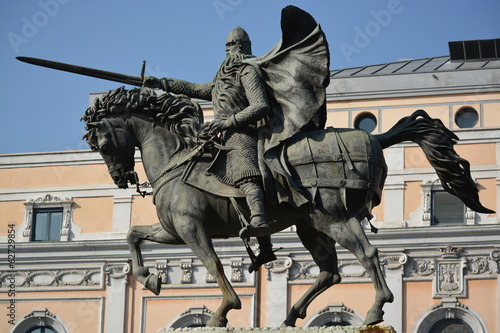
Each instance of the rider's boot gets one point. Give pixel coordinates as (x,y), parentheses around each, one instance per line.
(266,254)
(255,199)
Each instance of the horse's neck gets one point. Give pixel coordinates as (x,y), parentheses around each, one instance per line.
(157,146)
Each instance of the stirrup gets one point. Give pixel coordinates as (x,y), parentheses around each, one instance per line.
(263,258)
(255,231)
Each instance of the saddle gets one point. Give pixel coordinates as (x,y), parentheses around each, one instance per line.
(329,158)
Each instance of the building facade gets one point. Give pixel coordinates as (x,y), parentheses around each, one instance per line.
(66,264)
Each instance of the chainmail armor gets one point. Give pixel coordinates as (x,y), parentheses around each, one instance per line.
(194,90)
(237,91)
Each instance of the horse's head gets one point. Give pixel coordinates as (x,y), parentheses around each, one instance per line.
(112,138)
(110,132)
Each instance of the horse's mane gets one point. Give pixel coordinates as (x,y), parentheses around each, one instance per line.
(177,113)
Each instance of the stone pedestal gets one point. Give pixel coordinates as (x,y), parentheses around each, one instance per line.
(331,329)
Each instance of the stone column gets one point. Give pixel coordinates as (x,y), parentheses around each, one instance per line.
(277,296)
(121,213)
(394,204)
(394,271)
(116,278)
(495,256)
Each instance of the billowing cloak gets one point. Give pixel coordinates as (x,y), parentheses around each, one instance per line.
(296,73)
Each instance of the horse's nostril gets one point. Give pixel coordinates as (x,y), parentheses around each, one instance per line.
(116,179)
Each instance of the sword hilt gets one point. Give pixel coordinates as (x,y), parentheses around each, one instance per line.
(143,69)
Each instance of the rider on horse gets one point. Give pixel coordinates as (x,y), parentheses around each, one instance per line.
(258,103)
(239,100)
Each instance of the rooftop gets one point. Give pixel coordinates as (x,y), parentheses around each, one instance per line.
(409,66)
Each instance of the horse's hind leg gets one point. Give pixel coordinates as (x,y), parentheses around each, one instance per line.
(353,238)
(135,236)
(322,249)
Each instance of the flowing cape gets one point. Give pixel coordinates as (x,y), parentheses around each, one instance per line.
(296,73)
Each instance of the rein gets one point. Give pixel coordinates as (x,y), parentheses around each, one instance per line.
(197,151)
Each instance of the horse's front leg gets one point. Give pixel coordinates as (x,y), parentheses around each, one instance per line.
(135,236)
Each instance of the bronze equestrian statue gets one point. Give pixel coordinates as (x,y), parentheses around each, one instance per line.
(267,148)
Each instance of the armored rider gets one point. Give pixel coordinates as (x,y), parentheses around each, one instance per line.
(239,100)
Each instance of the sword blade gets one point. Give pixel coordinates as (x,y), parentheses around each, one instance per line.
(92,72)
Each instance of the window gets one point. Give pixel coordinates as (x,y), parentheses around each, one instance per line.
(335,314)
(366,122)
(41,330)
(451,326)
(466,117)
(47,224)
(446,209)
(196,316)
(48,218)
(40,321)
(450,316)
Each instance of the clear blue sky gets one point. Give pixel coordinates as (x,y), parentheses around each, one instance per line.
(41,108)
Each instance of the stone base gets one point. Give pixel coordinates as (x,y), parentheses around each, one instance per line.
(330,329)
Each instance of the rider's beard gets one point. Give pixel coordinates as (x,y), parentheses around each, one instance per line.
(232,61)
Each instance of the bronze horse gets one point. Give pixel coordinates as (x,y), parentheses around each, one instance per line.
(165,128)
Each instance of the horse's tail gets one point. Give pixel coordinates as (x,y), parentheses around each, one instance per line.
(437,143)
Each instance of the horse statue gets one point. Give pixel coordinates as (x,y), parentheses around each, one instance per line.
(346,184)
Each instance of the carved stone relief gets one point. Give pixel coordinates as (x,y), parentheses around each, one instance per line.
(117,272)
(280,266)
(187,271)
(81,278)
(236,270)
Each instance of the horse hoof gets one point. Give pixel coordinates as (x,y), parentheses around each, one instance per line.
(374,317)
(153,283)
(285,325)
(217,321)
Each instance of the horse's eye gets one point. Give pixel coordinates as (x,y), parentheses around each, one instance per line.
(104,148)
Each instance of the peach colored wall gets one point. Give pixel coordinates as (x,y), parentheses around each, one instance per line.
(11,212)
(161,311)
(263,307)
(479,299)
(420,102)
(488,193)
(412,198)
(418,296)
(357,296)
(395,108)
(339,119)
(139,168)
(55,176)
(379,210)
(491,114)
(93,214)
(143,211)
(79,315)
(476,154)
(418,299)
(392,116)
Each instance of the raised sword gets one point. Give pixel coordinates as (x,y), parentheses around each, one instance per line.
(98,73)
